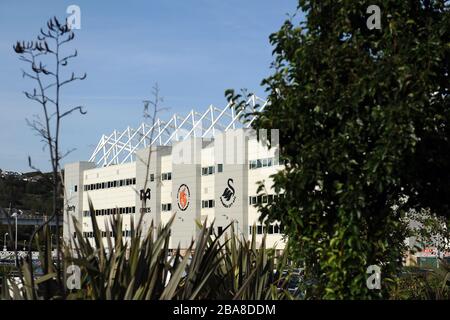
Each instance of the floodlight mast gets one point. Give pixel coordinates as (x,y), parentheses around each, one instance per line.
(120,147)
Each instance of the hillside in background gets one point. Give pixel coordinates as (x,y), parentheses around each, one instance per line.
(26,191)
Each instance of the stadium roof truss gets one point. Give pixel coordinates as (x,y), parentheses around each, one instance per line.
(120,147)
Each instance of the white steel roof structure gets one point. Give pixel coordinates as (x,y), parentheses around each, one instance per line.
(120,147)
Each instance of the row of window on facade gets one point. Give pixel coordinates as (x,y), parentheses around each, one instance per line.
(276,228)
(106,212)
(205,204)
(253,200)
(164,176)
(206,171)
(263,199)
(104,234)
(262,163)
(110,184)
(253,164)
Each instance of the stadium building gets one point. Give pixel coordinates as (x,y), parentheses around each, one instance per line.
(200,167)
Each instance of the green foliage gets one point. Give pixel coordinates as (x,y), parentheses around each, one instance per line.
(364,122)
(415,284)
(142,267)
(429,230)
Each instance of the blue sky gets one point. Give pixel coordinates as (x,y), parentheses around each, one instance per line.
(194,49)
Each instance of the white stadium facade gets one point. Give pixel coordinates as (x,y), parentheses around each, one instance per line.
(199,167)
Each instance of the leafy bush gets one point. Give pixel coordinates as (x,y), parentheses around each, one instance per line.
(143,267)
(419,284)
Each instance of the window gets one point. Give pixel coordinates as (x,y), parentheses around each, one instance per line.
(264,162)
(75,188)
(219,230)
(258,163)
(207,170)
(276,228)
(166,207)
(259,229)
(152,177)
(166,176)
(207,203)
(220,167)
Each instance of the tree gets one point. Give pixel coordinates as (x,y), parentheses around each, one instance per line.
(364,122)
(39,54)
(428,230)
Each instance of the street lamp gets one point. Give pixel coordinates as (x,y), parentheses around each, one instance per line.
(4,241)
(15,245)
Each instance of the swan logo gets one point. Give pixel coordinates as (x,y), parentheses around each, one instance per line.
(183,196)
(228,196)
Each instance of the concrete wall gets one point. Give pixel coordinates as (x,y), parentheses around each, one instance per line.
(73,204)
(186,191)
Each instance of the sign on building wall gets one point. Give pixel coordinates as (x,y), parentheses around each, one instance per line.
(183,197)
(229,194)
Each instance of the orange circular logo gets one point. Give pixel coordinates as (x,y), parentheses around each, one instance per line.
(183,197)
